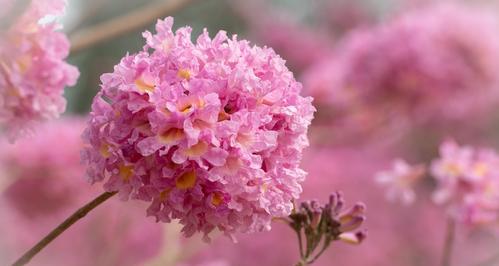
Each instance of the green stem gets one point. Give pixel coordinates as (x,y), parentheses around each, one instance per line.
(82,212)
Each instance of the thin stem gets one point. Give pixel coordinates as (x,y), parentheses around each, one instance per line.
(448,243)
(301,263)
(120,25)
(62,227)
(324,247)
(298,233)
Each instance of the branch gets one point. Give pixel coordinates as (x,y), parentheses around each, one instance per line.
(121,25)
(63,227)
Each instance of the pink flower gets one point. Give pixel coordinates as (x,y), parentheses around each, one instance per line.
(400,181)
(44,185)
(52,154)
(413,70)
(468,183)
(212,132)
(33,72)
(452,170)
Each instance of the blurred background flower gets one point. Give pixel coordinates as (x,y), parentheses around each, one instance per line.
(44,183)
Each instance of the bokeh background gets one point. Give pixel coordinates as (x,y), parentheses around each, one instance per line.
(408,98)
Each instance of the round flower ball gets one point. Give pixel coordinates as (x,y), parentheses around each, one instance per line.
(210,132)
(430,65)
(33,70)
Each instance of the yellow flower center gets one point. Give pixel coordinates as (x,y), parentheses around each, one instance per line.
(144,86)
(222,116)
(480,169)
(186,180)
(104,150)
(172,135)
(186,105)
(184,74)
(126,171)
(197,150)
(24,63)
(216,199)
(453,169)
(185,108)
(265,187)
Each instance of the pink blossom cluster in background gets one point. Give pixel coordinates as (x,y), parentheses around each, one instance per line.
(33,72)
(211,132)
(412,70)
(400,181)
(46,184)
(468,183)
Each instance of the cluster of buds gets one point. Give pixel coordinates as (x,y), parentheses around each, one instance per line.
(325,224)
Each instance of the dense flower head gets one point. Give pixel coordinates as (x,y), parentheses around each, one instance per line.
(400,181)
(415,67)
(211,132)
(33,72)
(468,183)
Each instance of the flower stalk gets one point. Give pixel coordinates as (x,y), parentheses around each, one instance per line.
(79,214)
(448,243)
(318,226)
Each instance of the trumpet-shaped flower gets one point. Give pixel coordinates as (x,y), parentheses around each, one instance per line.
(400,181)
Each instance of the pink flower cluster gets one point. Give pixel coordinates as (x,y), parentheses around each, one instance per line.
(400,181)
(33,72)
(468,183)
(43,183)
(431,64)
(211,132)
(34,163)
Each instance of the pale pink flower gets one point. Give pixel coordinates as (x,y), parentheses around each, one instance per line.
(468,183)
(400,181)
(211,132)
(45,184)
(413,69)
(451,171)
(481,207)
(51,154)
(33,72)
